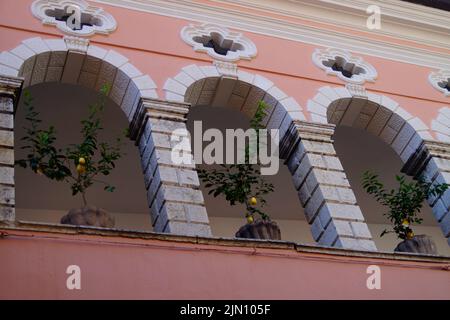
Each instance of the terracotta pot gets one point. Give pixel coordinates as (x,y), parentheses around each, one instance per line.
(417,244)
(89,216)
(260,229)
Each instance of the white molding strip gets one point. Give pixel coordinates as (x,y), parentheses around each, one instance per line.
(193,11)
(394,14)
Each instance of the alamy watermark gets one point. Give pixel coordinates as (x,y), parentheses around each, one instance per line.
(374,280)
(254,146)
(374,20)
(73,281)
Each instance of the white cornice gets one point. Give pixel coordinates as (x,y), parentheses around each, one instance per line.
(281,28)
(352,14)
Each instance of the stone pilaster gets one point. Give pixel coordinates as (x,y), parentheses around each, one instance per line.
(175,201)
(432,161)
(323,189)
(9,95)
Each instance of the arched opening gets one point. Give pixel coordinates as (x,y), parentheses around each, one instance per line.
(41,200)
(66,74)
(370,136)
(227,103)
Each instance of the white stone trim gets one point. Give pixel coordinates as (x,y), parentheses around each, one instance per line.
(368,72)
(246,52)
(441,125)
(107,22)
(437,77)
(33,57)
(431,19)
(76,44)
(226,68)
(390,122)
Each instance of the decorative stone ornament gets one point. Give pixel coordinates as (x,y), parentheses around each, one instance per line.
(74,17)
(76,44)
(440,80)
(344,65)
(218,42)
(226,68)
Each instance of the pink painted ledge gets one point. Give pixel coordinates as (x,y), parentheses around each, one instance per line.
(121,264)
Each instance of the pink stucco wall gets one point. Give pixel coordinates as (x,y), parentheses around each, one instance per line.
(33,265)
(153,44)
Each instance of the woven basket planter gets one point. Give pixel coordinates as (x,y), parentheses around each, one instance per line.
(260,229)
(417,244)
(89,216)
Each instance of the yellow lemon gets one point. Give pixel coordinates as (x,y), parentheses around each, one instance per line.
(410,235)
(250,219)
(253,201)
(81,169)
(405,222)
(82,160)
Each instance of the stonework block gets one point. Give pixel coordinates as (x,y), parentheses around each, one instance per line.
(343,228)
(439,209)
(329,236)
(7,156)
(36,44)
(314,204)
(175,87)
(301,173)
(165,126)
(304,193)
(173,211)
(7,195)
(7,213)
(361,230)
(277,117)
(7,175)
(403,138)
(10,60)
(182,194)
(319,147)
(356,244)
(317,229)
(295,158)
(23,52)
(445,225)
(442,164)
(6,121)
(339,211)
(335,178)
(6,138)
(6,104)
(188,229)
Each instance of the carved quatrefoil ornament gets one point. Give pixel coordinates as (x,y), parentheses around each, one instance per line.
(344,65)
(74,17)
(218,42)
(440,80)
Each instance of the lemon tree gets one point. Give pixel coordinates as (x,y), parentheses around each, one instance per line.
(78,164)
(242,183)
(404,203)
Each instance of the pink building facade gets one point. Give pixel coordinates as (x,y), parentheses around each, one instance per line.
(317,64)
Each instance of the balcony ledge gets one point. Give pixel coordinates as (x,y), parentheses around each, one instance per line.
(123,236)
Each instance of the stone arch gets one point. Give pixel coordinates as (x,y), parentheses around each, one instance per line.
(375,113)
(74,61)
(409,136)
(70,60)
(209,85)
